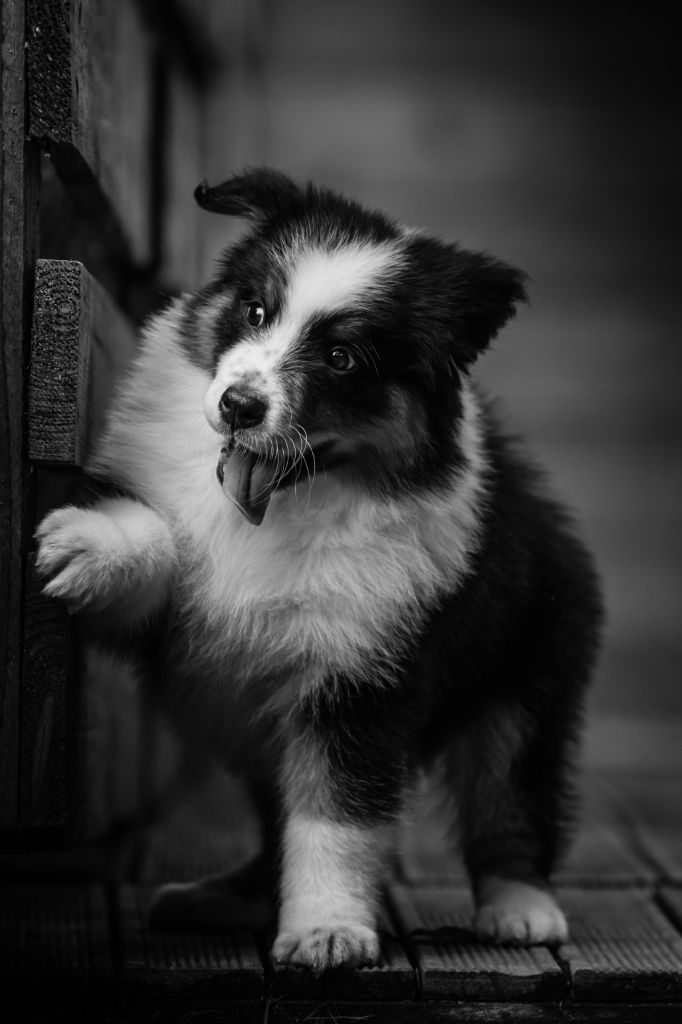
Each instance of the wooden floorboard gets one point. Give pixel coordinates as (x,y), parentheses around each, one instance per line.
(92,950)
(601,855)
(190,964)
(435,922)
(622,947)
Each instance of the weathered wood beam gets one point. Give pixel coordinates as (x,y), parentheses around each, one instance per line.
(91,68)
(19,171)
(71,778)
(80,341)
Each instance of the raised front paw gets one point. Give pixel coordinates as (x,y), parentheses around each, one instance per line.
(79,553)
(320,949)
(519,914)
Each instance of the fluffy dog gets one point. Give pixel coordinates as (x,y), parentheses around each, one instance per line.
(333,569)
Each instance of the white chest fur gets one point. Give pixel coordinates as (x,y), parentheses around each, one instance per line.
(330,579)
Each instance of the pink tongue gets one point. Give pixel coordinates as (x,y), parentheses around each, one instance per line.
(248,482)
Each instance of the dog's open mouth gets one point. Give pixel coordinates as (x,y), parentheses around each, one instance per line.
(248,480)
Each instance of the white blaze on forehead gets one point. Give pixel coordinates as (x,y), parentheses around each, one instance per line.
(325,280)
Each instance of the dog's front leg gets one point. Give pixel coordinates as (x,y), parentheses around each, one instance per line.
(345,773)
(118,555)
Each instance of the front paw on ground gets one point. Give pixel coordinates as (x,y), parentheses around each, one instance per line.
(320,949)
(521,927)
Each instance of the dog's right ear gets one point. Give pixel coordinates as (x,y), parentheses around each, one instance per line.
(261,194)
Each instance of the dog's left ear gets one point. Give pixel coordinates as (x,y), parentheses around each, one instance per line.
(484,293)
(260,195)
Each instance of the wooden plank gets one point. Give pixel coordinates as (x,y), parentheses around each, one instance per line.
(56,936)
(79,343)
(91,104)
(601,856)
(184,964)
(47,696)
(621,948)
(19,163)
(60,364)
(435,920)
(392,978)
(79,740)
(81,750)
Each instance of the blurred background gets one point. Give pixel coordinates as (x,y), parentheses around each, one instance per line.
(548,135)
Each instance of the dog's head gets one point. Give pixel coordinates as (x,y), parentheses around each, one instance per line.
(337,339)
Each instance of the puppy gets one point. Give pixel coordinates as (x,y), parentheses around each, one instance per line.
(333,569)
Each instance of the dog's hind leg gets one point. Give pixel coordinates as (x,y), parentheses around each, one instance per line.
(513,808)
(243,898)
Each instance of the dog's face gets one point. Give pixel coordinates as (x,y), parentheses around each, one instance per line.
(336,340)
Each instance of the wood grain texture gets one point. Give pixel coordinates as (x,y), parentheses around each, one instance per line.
(453,964)
(91,103)
(621,948)
(158,963)
(18,238)
(54,937)
(60,364)
(79,343)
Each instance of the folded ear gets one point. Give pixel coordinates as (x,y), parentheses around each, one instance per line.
(484,293)
(261,194)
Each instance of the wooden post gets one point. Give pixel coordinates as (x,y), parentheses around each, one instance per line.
(19,169)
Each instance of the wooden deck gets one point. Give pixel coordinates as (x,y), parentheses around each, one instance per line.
(79,948)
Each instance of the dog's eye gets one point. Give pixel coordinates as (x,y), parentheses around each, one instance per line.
(254,313)
(341,360)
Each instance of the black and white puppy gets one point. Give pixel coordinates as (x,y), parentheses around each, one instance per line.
(334,570)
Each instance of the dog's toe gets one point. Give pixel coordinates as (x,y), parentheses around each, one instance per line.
(519,914)
(320,949)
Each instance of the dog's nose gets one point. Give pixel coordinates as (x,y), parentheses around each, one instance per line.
(242,408)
